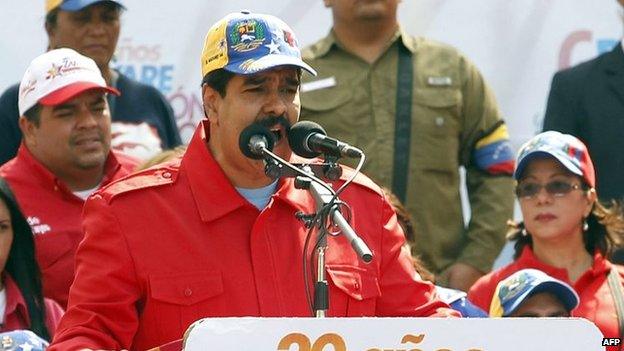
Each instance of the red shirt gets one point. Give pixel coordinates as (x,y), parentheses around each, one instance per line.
(181,244)
(596,301)
(16,312)
(54,214)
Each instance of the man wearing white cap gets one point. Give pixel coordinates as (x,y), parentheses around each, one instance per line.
(143,121)
(64,157)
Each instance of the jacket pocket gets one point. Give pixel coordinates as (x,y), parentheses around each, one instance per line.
(333,109)
(177,300)
(325,99)
(186,289)
(354,291)
(437,115)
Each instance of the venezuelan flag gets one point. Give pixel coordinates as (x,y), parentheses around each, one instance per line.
(493,153)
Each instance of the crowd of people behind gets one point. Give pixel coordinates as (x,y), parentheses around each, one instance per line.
(88,199)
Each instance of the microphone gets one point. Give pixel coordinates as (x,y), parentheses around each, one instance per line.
(254,139)
(308,139)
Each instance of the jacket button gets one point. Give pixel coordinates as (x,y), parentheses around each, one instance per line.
(439,121)
(357,285)
(188,292)
(166,175)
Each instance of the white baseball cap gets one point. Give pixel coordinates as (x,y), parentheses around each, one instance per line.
(58,76)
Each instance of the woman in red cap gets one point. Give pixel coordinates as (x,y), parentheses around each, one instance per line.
(566,232)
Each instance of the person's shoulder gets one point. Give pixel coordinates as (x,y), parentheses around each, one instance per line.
(318,48)
(587,68)
(427,46)
(10,92)
(9,97)
(157,176)
(361,181)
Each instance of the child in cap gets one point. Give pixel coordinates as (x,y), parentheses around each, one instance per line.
(533,293)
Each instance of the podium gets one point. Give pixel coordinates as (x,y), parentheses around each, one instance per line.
(393,334)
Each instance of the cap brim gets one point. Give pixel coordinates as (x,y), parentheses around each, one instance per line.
(568,297)
(70,91)
(267,62)
(541,154)
(77,5)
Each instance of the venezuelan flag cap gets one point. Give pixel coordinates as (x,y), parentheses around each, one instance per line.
(75,5)
(247,43)
(565,148)
(514,290)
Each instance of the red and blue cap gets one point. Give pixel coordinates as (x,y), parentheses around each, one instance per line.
(514,290)
(565,148)
(248,43)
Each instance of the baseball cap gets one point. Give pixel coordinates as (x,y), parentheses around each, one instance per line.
(58,76)
(565,148)
(247,43)
(75,5)
(514,290)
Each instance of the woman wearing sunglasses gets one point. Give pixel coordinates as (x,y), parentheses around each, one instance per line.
(566,232)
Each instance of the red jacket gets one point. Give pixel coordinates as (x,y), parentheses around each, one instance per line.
(596,301)
(180,244)
(54,214)
(16,312)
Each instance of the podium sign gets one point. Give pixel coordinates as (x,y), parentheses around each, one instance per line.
(393,334)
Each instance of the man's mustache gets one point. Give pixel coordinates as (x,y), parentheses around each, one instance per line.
(271,121)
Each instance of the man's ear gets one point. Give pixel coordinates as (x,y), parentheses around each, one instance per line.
(28,129)
(211,100)
(328,3)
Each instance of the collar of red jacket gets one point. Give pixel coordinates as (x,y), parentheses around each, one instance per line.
(600,266)
(212,191)
(49,179)
(14,300)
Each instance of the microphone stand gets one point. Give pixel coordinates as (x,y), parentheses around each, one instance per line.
(324,196)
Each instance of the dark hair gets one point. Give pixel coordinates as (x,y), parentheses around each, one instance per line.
(33,114)
(218,80)
(51,18)
(22,266)
(605,230)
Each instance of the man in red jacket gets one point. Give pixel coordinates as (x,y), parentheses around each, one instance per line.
(64,157)
(210,235)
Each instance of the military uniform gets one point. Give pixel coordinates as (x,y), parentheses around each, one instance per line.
(455,122)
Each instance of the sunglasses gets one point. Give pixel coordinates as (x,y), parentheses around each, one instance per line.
(555,188)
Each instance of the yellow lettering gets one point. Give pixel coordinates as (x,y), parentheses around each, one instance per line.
(329,339)
(294,339)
